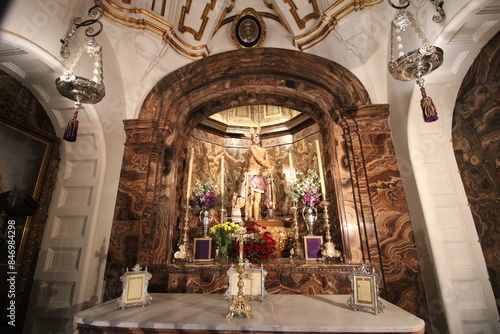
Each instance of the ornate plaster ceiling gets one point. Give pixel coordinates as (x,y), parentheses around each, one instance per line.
(255,116)
(188,26)
(269,118)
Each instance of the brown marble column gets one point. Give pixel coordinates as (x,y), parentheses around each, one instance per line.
(382,218)
(137,199)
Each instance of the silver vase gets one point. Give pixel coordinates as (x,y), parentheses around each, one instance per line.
(205,220)
(310,215)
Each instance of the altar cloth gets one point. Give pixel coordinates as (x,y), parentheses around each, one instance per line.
(279,313)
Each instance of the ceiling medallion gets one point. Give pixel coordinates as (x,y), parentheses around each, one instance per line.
(248,29)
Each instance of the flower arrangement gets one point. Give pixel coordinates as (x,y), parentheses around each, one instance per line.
(205,196)
(306,189)
(220,233)
(257,249)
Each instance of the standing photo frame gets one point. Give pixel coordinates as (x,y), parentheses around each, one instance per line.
(135,288)
(253,280)
(202,249)
(365,293)
(313,245)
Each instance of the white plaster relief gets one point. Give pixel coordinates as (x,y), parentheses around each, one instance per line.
(85,145)
(459,254)
(450,217)
(55,294)
(75,196)
(14,68)
(81,168)
(41,92)
(471,32)
(440,184)
(63,259)
(58,113)
(432,152)
(489,10)
(69,227)
(469,293)
(477,327)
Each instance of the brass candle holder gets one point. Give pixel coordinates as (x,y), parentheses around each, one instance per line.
(184,254)
(239,304)
(296,250)
(329,252)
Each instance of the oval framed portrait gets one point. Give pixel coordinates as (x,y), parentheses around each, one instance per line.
(248,29)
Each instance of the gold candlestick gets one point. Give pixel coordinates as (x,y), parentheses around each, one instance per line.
(329,250)
(183,253)
(239,305)
(296,250)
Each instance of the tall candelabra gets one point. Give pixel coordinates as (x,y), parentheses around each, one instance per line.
(184,253)
(296,250)
(239,304)
(329,251)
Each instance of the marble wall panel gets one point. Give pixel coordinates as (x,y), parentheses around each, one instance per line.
(476,142)
(383,202)
(282,278)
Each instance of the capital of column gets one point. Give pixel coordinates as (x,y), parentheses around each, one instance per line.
(369,118)
(140,131)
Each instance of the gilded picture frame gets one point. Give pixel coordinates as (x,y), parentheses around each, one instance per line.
(202,249)
(313,245)
(248,29)
(24,161)
(135,288)
(365,293)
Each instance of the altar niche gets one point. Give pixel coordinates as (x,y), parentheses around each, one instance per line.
(360,168)
(288,154)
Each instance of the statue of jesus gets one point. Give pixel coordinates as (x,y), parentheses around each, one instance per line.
(258,165)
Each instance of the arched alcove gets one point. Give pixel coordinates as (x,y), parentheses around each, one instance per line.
(360,166)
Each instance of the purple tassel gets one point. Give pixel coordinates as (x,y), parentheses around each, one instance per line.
(71,128)
(428,107)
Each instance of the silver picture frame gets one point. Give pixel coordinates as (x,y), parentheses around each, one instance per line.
(135,288)
(365,293)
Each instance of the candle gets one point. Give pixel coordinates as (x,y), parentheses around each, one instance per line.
(190,175)
(290,161)
(320,163)
(222,176)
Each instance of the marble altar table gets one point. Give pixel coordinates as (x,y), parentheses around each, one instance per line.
(196,313)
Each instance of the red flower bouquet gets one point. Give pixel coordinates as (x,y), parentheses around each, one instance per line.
(257,249)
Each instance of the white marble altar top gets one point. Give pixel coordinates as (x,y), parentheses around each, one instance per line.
(292,313)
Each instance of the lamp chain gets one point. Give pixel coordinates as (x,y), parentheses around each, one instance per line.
(67,74)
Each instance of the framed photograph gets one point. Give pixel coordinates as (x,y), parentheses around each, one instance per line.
(202,249)
(313,245)
(24,161)
(365,294)
(135,288)
(253,283)
(248,29)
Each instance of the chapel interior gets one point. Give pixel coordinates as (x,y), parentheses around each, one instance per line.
(415,200)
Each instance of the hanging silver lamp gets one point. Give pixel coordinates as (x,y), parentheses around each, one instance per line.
(415,64)
(78,88)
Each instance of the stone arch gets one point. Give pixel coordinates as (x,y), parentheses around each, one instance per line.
(361,168)
(304,82)
(253,76)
